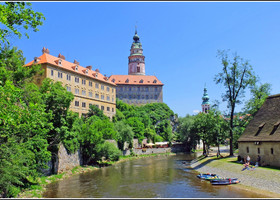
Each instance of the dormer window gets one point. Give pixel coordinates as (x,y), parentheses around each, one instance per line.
(86,71)
(276,125)
(127,80)
(36,60)
(155,81)
(76,68)
(141,81)
(113,80)
(59,62)
(260,128)
(96,75)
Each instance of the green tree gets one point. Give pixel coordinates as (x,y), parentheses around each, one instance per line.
(236,76)
(108,150)
(94,111)
(137,127)
(125,134)
(17,15)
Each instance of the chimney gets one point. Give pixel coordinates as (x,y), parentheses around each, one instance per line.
(76,62)
(44,50)
(97,70)
(89,67)
(61,56)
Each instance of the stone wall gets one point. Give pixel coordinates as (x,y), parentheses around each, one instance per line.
(66,161)
(267,158)
(147,151)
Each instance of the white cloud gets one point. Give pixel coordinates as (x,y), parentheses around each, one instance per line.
(196,111)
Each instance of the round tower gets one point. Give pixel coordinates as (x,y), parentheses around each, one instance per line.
(205,101)
(136,60)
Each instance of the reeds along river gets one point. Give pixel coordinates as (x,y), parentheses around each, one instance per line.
(151,177)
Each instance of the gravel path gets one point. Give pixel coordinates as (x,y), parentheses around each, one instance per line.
(259,178)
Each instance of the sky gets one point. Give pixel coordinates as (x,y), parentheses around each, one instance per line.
(180,41)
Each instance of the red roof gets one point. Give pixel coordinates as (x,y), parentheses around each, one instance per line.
(135,80)
(47,58)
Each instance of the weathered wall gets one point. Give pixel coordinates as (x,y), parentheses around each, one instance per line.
(66,161)
(147,151)
(267,158)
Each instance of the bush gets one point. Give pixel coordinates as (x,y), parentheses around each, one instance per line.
(109,151)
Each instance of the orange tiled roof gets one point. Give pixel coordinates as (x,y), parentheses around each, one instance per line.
(47,58)
(135,80)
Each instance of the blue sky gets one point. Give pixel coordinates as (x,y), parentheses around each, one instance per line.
(180,41)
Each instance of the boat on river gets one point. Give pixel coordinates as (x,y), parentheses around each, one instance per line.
(207,176)
(224,181)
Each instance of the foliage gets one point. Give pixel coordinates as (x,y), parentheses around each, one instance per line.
(236,76)
(17,15)
(137,127)
(108,150)
(94,111)
(125,134)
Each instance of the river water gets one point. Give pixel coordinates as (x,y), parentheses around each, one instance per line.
(151,177)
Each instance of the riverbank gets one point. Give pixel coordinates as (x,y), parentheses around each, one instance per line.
(37,191)
(261,180)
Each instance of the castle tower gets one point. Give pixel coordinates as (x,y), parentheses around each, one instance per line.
(205,101)
(136,60)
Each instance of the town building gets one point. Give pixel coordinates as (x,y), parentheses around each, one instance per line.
(137,87)
(205,101)
(262,135)
(89,86)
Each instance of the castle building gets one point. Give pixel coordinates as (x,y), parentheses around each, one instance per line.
(205,101)
(137,87)
(89,86)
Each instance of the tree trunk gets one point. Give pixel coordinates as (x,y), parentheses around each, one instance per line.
(231,133)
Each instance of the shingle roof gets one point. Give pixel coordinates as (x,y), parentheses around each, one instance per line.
(265,125)
(135,80)
(47,58)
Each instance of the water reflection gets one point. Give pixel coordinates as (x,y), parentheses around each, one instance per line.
(154,177)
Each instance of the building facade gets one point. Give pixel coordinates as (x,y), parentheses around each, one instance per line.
(89,86)
(262,135)
(137,87)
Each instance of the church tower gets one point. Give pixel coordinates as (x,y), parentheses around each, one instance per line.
(205,101)
(136,60)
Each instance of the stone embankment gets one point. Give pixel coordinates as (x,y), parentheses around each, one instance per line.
(259,180)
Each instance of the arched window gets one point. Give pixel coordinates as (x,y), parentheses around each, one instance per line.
(138,69)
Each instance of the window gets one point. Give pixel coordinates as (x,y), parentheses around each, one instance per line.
(102,97)
(59,74)
(129,89)
(141,81)
(138,88)
(97,106)
(76,68)
(276,125)
(83,82)
(102,87)
(68,89)
(155,88)
(68,77)
(108,108)
(112,109)
(247,149)
(113,98)
(89,105)
(90,83)
(112,90)
(76,79)
(96,85)
(76,103)
(108,89)
(155,96)
(260,128)
(138,69)
(271,150)
(108,98)
(102,107)
(77,91)
(84,92)
(147,89)
(51,72)
(90,94)
(97,96)
(83,104)
(147,96)
(258,150)
(129,96)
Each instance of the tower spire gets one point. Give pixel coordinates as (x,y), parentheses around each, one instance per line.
(205,101)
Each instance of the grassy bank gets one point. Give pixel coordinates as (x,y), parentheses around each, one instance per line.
(36,191)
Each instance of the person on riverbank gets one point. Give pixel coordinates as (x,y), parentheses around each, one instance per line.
(248,160)
(258,163)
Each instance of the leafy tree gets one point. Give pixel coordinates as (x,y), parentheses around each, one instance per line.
(164,129)
(236,76)
(108,150)
(150,134)
(17,15)
(137,127)
(12,67)
(125,134)
(94,111)
(119,116)
(185,133)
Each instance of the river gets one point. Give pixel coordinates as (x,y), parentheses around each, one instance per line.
(150,177)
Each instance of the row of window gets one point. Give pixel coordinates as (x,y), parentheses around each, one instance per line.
(77,104)
(137,89)
(259,151)
(137,97)
(90,94)
(77,80)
